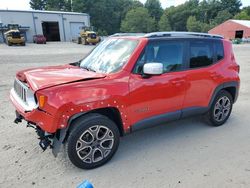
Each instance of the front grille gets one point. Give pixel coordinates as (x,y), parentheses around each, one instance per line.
(21,90)
(23,96)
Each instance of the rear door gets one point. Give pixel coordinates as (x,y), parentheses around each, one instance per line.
(202,73)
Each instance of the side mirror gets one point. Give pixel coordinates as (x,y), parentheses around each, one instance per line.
(153,68)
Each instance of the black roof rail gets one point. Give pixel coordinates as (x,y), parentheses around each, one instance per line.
(180,34)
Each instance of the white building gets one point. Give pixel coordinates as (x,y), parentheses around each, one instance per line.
(54,25)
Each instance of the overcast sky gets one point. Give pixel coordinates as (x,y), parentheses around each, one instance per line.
(24,4)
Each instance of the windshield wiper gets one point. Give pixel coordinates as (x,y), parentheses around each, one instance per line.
(77,63)
(88,68)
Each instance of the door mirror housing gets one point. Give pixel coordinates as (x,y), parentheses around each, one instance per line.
(153,68)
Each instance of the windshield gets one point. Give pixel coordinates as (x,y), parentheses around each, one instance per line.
(109,56)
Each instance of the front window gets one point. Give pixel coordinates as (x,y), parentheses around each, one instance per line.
(168,52)
(110,55)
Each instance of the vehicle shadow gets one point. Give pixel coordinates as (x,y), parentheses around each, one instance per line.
(169,134)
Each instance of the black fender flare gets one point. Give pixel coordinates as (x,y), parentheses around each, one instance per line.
(222,86)
(61,135)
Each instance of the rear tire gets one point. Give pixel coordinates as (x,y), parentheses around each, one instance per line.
(220,109)
(93,141)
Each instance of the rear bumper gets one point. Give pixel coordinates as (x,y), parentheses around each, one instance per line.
(36,116)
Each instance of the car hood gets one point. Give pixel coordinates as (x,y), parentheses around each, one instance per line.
(44,77)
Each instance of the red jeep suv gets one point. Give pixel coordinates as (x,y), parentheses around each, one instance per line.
(128,82)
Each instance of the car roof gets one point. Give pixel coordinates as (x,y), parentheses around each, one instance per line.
(167,35)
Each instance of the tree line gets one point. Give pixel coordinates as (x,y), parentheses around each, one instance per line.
(113,16)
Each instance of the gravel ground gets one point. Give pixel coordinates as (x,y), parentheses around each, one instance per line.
(186,153)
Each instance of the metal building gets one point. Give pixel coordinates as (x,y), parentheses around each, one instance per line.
(54,25)
(232,29)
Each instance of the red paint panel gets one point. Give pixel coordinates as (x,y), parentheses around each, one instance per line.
(50,76)
(155,95)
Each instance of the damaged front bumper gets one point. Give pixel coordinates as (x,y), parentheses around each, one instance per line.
(43,122)
(47,140)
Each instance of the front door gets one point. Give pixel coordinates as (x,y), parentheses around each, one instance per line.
(159,95)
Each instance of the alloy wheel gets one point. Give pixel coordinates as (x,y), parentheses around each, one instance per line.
(222,109)
(95,144)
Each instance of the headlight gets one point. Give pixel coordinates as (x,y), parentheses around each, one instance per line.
(30,99)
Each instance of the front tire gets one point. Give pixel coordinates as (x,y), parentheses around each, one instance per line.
(220,109)
(93,141)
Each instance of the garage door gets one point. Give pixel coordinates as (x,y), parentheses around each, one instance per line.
(75,28)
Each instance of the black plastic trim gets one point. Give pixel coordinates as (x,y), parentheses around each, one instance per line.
(193,111)
(182,34)
(225,85)
(156,120)
(63,133)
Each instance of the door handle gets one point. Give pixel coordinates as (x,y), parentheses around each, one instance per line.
(177,82)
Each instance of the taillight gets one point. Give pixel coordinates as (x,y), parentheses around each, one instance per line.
(235,67)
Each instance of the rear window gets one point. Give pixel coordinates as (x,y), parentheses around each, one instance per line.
(205,52)
(201,54)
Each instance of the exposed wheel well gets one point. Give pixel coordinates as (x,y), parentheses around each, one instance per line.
(113,114)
